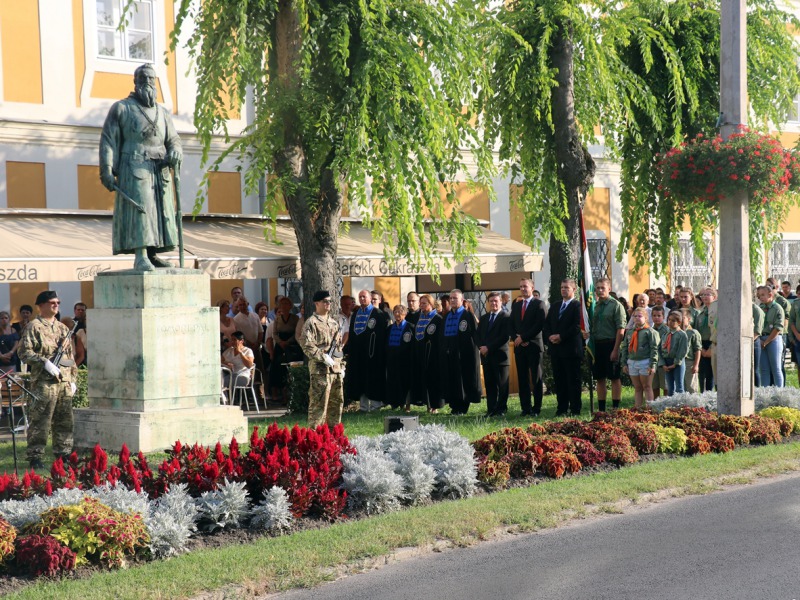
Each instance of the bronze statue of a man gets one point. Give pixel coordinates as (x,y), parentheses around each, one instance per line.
(137,148)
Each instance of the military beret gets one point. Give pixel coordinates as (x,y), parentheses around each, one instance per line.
(46,296)
(322,295)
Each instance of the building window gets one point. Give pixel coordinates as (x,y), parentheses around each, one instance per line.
(784,261)
(598,258)
(135,41)
(689,269)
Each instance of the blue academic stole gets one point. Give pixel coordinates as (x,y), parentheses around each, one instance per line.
(362,316)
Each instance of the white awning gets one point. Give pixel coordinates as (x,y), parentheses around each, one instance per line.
(46,246)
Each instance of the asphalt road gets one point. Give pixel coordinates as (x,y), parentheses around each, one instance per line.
(739,543)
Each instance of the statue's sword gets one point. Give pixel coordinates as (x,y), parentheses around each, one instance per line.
(129,199)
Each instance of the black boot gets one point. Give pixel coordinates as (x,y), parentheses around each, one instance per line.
(601,405)
(36,463)
(615,403)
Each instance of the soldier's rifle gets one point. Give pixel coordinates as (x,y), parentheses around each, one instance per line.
(58,357)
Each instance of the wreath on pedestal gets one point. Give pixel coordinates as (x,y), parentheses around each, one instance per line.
(696,175)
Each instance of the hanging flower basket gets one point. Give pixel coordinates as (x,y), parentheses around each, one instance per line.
(707,169)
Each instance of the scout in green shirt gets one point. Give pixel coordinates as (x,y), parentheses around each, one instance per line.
(771,372)
(607,329)
(674,347)
(659,379)
(639,356)
(686,301)
(693,354)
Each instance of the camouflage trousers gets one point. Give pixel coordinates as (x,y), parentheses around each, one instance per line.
(325,399)
(52,409)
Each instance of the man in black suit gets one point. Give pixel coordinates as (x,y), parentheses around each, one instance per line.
(493,334)
(562,330)
(527,321)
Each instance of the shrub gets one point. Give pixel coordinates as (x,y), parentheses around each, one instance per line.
(493,473)
(171,522)
(273,513)
(556,464)
(587,453)
(407,451)
(697,444)
(718,441)
(298,381)
(370,481)
(736,427)
(304,462)
(521,464)
(94,531)
(642,436)
(23,512)
(7,536)
(782,412)
(671,439)
(44,555)
(535,429)
(80,399)
(764,430)
(453,461)
(224,507)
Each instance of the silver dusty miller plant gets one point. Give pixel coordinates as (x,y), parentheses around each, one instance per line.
(273,513)
(224,507)
(370,481)
(171,521)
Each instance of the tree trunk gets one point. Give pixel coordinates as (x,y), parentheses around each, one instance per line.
(575,166)
(315,214)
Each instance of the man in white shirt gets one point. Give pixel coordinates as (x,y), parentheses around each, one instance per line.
(248,323)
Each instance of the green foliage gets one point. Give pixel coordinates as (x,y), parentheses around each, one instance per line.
(344,91)
(94,532)
(298,382)
(781,412)
(608,91)
(671,439)
(81,397)
(684,87)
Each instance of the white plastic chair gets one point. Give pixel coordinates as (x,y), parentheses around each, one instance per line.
(246,390)
(225,391)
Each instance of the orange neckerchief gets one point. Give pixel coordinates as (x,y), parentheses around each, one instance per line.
(633,345)
(668,341)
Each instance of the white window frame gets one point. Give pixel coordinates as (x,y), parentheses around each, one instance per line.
(103,64)
(792,275)
(710,263)
(123,34)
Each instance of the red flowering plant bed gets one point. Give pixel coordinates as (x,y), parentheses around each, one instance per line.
(306,463)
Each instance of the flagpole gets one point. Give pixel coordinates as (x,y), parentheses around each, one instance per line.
(587,290)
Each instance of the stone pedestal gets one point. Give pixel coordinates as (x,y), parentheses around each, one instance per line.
(154,367)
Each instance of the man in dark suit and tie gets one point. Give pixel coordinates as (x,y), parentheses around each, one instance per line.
(562,330)
(527,321)
(493,334)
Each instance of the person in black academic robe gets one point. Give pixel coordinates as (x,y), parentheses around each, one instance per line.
(365,375)
(562,329)
(462,361)
(426,377)
(399,359)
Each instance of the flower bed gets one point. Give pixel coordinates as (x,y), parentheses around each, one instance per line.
(94,511)
(620,437)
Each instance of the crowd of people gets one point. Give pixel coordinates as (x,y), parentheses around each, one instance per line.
(437,352)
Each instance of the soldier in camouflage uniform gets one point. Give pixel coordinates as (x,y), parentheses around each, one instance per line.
(53,385)
(320,334)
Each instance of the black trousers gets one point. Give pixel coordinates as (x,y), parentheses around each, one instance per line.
(705,372)
(529,373)
(495,379)
(567,373)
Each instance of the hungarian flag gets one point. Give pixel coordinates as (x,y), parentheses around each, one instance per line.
(587,284)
